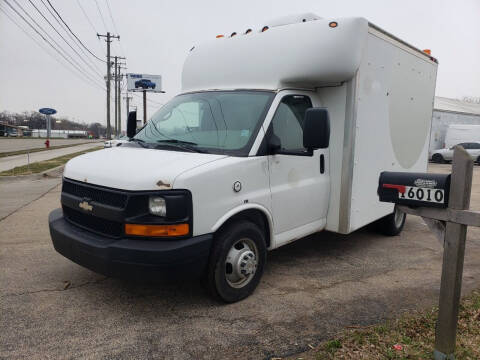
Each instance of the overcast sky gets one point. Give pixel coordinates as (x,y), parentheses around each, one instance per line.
(157,35)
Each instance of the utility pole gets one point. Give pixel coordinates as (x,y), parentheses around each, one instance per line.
(116,95)
(108,40)
(128,98)
(144,107)
(120,96)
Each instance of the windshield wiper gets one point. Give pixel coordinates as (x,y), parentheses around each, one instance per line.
(140,142)
(176,141)
(187,145)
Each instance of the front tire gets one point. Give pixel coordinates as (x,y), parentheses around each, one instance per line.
(236,262)
(392,225)
(438,158)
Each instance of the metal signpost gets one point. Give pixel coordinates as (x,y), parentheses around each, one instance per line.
(448,219)
(48,112)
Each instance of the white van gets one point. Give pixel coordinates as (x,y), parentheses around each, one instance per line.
(276,135)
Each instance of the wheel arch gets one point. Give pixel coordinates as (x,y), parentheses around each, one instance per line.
(253,212)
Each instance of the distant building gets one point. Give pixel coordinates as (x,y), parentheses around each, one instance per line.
(451,111)
(67,134)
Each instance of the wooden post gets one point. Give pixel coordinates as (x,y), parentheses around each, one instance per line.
(453,255)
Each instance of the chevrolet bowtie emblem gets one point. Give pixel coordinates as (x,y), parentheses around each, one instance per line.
(85,206)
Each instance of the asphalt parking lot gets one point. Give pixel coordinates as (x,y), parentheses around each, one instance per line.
(53,308)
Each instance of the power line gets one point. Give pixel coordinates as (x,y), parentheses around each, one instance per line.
(114,26)
(29,35)
(76,37)
(101,15)
(64,53)
(42,46)
(88,19)
(71,47)
(85,76)
(86,16)
(111,17)
(71,37)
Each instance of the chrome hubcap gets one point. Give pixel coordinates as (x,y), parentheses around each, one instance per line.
(241,263)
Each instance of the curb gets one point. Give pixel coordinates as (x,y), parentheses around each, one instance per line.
(50,173)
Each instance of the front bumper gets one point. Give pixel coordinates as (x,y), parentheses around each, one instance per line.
(131,258)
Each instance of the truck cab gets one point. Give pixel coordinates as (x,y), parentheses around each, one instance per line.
(259,150)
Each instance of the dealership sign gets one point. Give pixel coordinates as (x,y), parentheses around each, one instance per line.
(141,82)
(47,111)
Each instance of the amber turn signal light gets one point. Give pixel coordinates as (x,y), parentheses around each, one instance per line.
(333,24)
(157,230)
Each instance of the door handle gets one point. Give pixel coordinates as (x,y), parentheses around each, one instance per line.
(322,164)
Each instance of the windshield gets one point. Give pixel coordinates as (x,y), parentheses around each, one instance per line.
(219,122)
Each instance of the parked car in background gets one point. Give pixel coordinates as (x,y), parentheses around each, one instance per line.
(145,84)
(446,155)
(115,142)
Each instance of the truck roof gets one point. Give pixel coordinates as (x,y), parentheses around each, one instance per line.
(309,52)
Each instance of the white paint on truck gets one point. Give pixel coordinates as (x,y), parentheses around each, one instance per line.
(378,91)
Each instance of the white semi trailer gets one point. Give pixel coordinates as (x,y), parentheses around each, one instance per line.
(277,134)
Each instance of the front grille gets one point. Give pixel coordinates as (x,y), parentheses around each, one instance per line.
(98,194)
(93,223)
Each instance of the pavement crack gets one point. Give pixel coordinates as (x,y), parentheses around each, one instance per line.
(25,205)
(71,287)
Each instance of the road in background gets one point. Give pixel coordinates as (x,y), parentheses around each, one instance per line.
(16,144)
(311,289)
(9,162)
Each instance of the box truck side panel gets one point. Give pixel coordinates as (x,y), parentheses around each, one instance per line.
(394,101)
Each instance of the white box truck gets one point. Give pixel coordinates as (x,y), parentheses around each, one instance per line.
(278,133)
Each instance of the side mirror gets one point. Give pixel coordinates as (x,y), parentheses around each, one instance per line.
(132,124)
(316,129)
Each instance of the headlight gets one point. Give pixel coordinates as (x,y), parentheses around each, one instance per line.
(157,206)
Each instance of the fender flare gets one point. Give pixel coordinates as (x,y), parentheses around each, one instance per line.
(243,207)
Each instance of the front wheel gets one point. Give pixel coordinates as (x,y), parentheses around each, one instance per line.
(438,158)
(392,224)
(236,262)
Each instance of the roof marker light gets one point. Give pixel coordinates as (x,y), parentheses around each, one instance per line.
(333,24)
(265,28)
(427,51)
(219,36)
(248,31)
(233,34)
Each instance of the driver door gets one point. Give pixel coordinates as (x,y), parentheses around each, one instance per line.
(299,180)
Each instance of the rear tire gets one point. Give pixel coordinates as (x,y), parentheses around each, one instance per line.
(392,225)
(437,158)
(236,261)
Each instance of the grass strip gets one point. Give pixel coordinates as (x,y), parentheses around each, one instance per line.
(408,337)
(40,166)
(34,150)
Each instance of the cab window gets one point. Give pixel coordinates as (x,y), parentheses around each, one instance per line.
(287,123)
